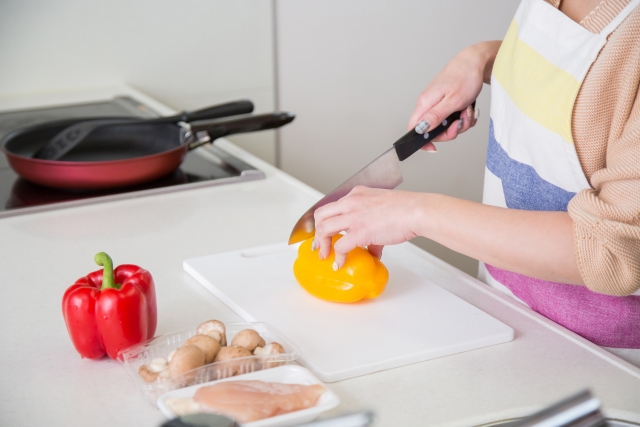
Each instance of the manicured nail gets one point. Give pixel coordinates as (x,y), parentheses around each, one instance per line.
(469,111)
(422,127)
(476,114)
(313,245)
(335,266)
(431,149)
(460,123)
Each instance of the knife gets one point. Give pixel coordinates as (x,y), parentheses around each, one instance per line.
(383,172)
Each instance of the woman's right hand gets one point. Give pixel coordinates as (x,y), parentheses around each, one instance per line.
(455,89)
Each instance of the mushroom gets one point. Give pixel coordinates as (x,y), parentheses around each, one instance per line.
(249,339)
(215,329)
(207,344)
(150,372)
(163,375)
(230,368)
(186,358)
(147,374)
(158,364)
(231,352)
(270,350)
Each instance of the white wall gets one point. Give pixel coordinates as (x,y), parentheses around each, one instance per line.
(352,71)
(188,54)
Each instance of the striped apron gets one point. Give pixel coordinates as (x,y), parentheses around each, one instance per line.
(532,163)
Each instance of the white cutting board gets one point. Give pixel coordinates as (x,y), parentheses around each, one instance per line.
(412,321)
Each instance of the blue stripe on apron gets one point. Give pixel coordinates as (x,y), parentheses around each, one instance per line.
(522,186)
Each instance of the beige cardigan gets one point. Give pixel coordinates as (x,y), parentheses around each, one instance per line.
(606,133)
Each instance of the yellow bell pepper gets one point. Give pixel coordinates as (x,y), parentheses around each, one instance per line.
(361,276)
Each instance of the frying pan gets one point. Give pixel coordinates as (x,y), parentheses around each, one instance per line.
(121,155)
(64,142)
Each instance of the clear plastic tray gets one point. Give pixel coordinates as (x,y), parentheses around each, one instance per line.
(283,374)
(161,346)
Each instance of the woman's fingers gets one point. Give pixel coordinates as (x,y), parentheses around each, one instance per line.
(429,147)
(328,228)
(427,99)
(437,115)
(439,112)
(369,218)
(346,244)
(349,242)
(461,125)
(376,250)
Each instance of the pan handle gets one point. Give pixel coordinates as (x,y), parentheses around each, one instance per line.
(243,125)
(223,110)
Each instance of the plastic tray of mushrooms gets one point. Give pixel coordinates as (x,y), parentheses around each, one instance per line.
(212,351)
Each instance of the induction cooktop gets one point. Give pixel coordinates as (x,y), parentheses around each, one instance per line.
(205,166)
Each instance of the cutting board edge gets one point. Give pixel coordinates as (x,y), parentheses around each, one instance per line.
(412,359)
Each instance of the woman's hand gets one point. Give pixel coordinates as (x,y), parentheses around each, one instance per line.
(534,243)
(370,217)
(455,89)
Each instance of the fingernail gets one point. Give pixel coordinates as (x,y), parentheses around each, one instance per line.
(460,123)
(469,111)
(313,245)
(422,127)
(434,151)
(476,114)
(335,266)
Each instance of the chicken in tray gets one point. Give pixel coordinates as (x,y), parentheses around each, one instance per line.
(247,401)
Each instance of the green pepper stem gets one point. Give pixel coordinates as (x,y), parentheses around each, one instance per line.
(108,279)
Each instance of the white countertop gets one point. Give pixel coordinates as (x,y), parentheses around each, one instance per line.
(45,382)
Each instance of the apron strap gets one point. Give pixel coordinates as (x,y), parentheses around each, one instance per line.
(615,22)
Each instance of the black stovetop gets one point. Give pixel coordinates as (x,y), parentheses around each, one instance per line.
(208,165)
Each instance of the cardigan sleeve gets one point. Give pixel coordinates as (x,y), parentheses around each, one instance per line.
(606,133)
(606,217)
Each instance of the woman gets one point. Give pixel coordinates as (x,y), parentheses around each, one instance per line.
(559,227)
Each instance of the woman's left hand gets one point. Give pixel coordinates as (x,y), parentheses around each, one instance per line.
(370,217)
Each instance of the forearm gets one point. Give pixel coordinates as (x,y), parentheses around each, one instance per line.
(533,243)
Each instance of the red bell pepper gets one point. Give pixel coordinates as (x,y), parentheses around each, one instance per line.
(109,310)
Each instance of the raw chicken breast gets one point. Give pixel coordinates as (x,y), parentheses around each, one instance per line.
(247,401)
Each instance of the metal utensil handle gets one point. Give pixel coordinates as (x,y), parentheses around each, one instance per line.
(580,410)
(412,141)
(71,136)
(359,419)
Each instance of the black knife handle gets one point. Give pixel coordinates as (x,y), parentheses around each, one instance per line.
(412,141)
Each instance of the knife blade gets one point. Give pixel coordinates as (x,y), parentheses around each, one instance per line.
(383,172)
